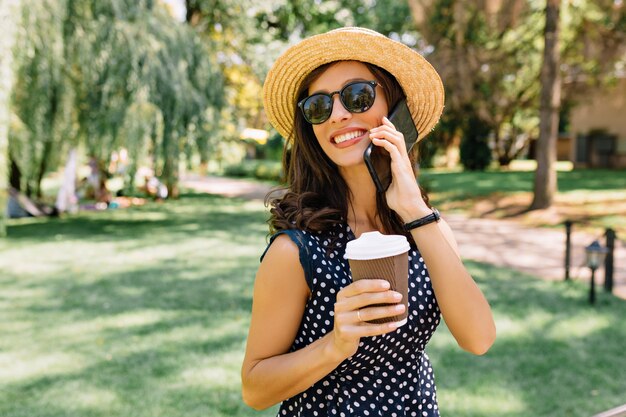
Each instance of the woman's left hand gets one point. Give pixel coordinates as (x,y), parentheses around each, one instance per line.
(403,195)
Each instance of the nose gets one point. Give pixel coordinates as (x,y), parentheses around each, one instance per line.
(339,112)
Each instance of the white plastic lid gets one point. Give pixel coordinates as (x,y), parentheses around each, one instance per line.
(374,245)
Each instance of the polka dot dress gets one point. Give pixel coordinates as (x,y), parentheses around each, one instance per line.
(390,375)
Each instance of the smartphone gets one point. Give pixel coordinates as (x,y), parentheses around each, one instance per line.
(377,159)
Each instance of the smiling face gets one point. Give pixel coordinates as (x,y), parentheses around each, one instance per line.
(345,136)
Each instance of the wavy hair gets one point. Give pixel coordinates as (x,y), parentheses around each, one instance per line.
(316,197)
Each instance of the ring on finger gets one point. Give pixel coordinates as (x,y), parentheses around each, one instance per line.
(358,315)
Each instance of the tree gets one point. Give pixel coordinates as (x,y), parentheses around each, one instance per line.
(8,13)
(487,55)
(593,46)
(84,67)
(39,112)
(545,176)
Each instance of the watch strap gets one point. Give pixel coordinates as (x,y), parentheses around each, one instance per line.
(431,218)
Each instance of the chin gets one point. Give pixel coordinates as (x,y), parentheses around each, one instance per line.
(350,162)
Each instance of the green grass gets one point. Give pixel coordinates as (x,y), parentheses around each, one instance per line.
(455,186)
(144,312)
(592,198)
(555,355)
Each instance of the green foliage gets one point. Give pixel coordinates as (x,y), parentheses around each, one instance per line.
(41,117)
(489,57)
(8,15)
(427,150)
(274,147)
(87,70)
(593,45)
(475,150)
(259,169)
(141,134)
(108,74)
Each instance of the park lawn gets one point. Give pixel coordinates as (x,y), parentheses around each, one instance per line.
(594,199)
(144,312)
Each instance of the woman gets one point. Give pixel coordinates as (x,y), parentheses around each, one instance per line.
(310,345)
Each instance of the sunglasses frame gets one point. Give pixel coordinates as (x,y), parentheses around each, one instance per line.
(331,95)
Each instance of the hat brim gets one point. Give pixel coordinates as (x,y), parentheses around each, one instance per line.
(417,77)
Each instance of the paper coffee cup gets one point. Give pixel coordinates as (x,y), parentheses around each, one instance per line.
(377,256)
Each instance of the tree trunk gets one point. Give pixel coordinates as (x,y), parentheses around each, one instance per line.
(545,176)
(9,15)
(193,14)
(43,167)
(15,175)
(169,173)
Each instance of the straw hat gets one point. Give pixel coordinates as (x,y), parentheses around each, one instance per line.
(419,80)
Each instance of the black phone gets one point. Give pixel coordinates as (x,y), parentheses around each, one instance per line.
(377,159)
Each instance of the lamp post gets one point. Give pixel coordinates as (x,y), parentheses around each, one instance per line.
(595,257)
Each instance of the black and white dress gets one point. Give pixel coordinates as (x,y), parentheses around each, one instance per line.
(390,375)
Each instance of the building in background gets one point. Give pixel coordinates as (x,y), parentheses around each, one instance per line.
(598,129)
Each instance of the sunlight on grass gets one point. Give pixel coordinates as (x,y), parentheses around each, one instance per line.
(144,312)
(579,327)
(76,395)
(533,322)
(219,371)
(531,165)
(208,376)
(593,198)
(131,319)
(18,366)
(502,401)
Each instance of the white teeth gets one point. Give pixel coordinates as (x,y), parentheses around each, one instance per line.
(348,136)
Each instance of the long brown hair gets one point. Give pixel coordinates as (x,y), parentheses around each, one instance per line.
(317,196)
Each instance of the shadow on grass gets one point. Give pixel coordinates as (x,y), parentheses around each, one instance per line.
(166,337)
(454,186)
(161,338)
(171,365)
(555,355)
(148,382)
(192,214)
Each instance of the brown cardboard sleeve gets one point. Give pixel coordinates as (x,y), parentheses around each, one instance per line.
(394,269)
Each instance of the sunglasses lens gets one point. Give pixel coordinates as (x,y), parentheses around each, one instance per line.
(358,97)
(317,108)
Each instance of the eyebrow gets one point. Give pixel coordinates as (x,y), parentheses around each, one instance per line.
(342,86)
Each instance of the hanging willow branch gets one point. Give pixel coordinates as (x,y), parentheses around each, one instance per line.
(93,71)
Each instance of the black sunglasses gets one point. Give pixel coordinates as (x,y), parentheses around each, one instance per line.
(356,97)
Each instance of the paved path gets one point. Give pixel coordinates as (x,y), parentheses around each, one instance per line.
(538,251)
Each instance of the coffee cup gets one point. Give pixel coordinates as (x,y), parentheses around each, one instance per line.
(377,256)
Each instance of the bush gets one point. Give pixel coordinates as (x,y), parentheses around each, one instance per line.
(274,148)
(263,170)
(474,150)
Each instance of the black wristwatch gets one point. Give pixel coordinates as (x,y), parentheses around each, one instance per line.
(431,218)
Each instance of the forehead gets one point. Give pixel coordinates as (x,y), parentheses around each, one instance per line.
(339,74)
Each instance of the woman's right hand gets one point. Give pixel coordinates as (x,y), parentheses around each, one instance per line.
(352,313)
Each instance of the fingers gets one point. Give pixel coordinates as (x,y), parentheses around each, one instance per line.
(352,325)
(366,300)
(380,312)
(351,312)
(391,140)
(363,285)
(365,292)
(388,131)
(394,153)
(356,331)
(387,122)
